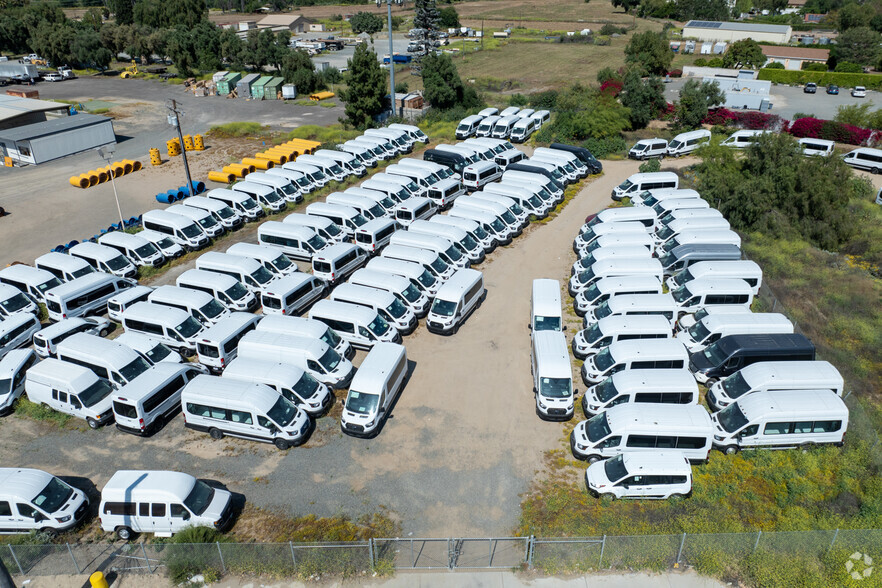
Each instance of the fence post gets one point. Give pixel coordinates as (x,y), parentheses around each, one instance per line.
(529,554)
(835,535)
(680,552)
(371,551)
(602,547)
(293,559)
(76,565)
(756,543)
(15,559)
(146,559)
(220,553)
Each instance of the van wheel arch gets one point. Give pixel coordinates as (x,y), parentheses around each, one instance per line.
(608,496)
(281,444)
(49,532)
(216,434)
(730,449)
(676,496)
(124,533)
(593,459)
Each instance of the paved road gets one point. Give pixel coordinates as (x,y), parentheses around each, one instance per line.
(380,45)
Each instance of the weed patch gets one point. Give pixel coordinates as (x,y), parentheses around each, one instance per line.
(37,412)
(239,129)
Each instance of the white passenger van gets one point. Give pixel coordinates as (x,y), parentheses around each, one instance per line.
(367,207)
(416,208)
(203,218)
(292,382)
(638,183)
(769,376)
(17,331)
(423,178)
(512,224)
(384,303)
(666,206)
(541,116)
(63,266)
(643,215)
(615,267)
(404,182)
(182,230)
(243,204)
(272,258)
(641,386)
(150,349)
(781,419)
(46,340)
(545,307)
(699,293)
(304,327)
(299,180)
(606,288)
(105,259)
(375,234)
(202,306)
(14,301)
(610,246)
(535,179)
(713,327)
(443,193)
(230,291)
(497,231)
(700,237)
(323,227)
(647,476)
(654,354)
(816,147)
(294,241)
(455,301)
(393,190)
(226,216)
(412,131)
(217,345)
(477,175)
(364,153)
(29,280)
(489,112)
(552,376)
(171,326)
(502,127)
(83,296)
(359,325)
(333,264)
(686,143)
(315,175)
(472,228)
(315,356)
(675,227)
(35,501)
(719,310)
(328,166)
(282,186)
(137,249)
(742,139)
(399,286)
(506,158)
(649,198)
(611,329)
(374,390)
(450,252)
(383,149)
(634,304)
(161,503)
(401,139)
(865,158)
(117,303)
(510,203)
(249,272)
(522,129)
(71,389)
(144,405)
(485,127)
(13,368)
(418,276)
(345,217)
(168,247)
(649,148)
(571,170)
(468,126)
(385,202)
(264,195)
(292,294)
(585,238)
(428,259)
(470,248)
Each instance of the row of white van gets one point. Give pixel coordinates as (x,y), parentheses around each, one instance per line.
(512,123)
(686,143)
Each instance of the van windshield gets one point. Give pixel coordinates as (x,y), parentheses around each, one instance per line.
(361,403)
(396,309)
(497,226)
(698,332)
(604,360)
(556,387)
(192,231)
(665,233)
(212,309)
(236,292)
(547,323)
(281,263)
(306,386)
(670,244)
(735,385)
(84,271)
(117,263)
(139,365)
(146,250)
(534,202)
(333,229)
(359,220)
(426,279)
(188,328)
(225,212)
(331,338)
(316,242)
(15,303)
(248,203)
(165,243)
(480,233)
(443,307)
(509,218)
(262,276)
(330,360)
(715,355)
(606,390)
(592,334)
(96,392)
(158,353)
(283,412)
(668,260)
(615,468)
(681,294)
(625,186)
(592,293)
(207,222)
(411,294)
(598,428)
(731,418)
(376,211)
(379,326)
(199,499)
(453,253)
(674,145)
(586,276)
(682,277)
(439,266)
(53,496)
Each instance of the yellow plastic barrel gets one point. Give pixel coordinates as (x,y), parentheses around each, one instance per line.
(136,165)
(155,157)
(188,142)
(276,158)
(97,580)
(127,166)
(103,175)
(92,177)
(174,148)
(221,177)
(118,169)
(79,182)
(198,143)
(258,163)
(238,170)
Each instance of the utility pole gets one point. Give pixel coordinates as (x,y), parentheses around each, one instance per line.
(174,119)
(391,56)
(106,153)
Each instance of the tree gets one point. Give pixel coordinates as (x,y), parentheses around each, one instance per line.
(365,95)
(170,13)
(703,9)
(854,15)
(644,99)
(695,100)
(650,51)
(53,42)
(744,53)
(449,18)
(626,5)
(858,45)
(366,22)
(87,51)
(773,6)
(298,69)
(443,88)
(123,11)
(426,15)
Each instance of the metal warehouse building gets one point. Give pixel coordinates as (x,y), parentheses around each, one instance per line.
(16,111)
(707,30)
(45,141)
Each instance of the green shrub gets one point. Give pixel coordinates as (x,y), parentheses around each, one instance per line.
(814,67)
(845,80)
(238,129)
(774,65)
(649,166)
(517,100)
(605,147)
(799,115)
(715,62)
(700,62)
(848,67)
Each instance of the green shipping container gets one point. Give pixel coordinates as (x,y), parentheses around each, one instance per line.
(257,88)
(272,89)
(228,83)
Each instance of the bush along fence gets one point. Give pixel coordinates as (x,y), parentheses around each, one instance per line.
(822,78)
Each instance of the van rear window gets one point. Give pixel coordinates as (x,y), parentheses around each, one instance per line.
(321,266)
(125,410)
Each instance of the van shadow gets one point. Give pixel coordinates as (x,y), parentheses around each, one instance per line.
(411,367)
(236,499)
(89,489)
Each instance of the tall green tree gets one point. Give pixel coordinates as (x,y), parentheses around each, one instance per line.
(449,18)
(650,51)
(744,53)
(644,99)
(695,100)
(366,22)
(170,13)
(86,49)
(859,45)
(367,88)
(298,69)
(123,11)
(426,15)
(626,5)
(443,88)
(702,9)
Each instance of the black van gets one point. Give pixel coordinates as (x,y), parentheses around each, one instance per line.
(731,353)
(594,166)
(454,161)
(526,167)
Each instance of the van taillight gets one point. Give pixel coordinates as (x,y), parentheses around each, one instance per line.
(222,362)
(141,423)
(283,311)
(332,276)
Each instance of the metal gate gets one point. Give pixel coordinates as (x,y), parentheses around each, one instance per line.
(452,553)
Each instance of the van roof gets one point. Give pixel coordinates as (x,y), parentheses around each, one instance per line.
(622,266)
(454,221)
(421,256)
(760,342)
(57,369)
(330,208)
(546,293)
(394,266)
(490,120)
(122,239)
(655,463)
(420,240)
(801,404)
(375,278)
(347,292)
(12,360)
(94,250)
(480,166)
(459,282)
(132,485)
(26,273)
(190,212)
(620,323)
(692,134)
(472,119)
(812,371)
(683,419)
(62,326)
(654,380)
(449,232)
(169,218)
(414,203)
(552,356)
(178,293)
(255,251)
(225,194)
(334,251)
(382,359)
(252,187)
(23,483)
(87,282)
(148,382)
(203,203)
(285,284)
(374,225)
(227,327)
(823,142)
(614,282)
(334,309)
(292,325)
(17,319)
(280,228)
(624,302)
(657,176)
(714,322)
(251,369)
(226,260)
(649,348)
(712,285)
(205,277)
(719,250)
(625,214)
(679,225)
(308,220)
(156,313)
(55,259)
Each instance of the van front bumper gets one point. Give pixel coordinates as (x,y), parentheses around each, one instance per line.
(440,329)
(556,415)
(577,453)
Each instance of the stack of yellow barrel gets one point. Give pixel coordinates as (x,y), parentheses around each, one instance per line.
(102,174)
(174,147)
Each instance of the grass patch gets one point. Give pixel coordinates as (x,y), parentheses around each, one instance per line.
(26,409)
(239,129)
(305,102)
(327,104)
(274,526)
(332,134)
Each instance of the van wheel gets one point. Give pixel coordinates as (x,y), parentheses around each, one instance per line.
(807,446)
(216,434)
(124,533)
(593,458)
(281,444)
(608,496)
(731,450)
(675,496)
(93,424)
(49,532)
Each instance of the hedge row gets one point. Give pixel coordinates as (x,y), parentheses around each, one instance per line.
(846,80)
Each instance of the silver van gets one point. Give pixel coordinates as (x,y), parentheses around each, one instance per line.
(63,266)
(230,291)
(105,259)
(292,294)
(137,249)
(323,227)
(83,296)
(216,345)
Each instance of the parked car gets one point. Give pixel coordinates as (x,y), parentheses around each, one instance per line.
(810,88)
(52,77)
(859,92)
(832,89)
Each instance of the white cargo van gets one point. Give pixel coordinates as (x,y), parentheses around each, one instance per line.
(323,227)
(666,386)
(605,289)
(105,259)
(265,195)
(171,326)
(511,204)
(545,306)
(510,223)
(83,296)
(641,182)
(552,376)
(291,294)
(700,237)
(631,428)
(385,202)
(655,354)
(308,353)
(180,229)
(742,139)
(686,143)
(29,280)
(137,249)
(144,405)
(249,272)
(272,258)
(428,259)
(769,376)
(203,218)
(13,368)
(63,266)
(497,231)
(295,384)
(649,148)
(46,340)
(714,327)
(690,319)
(524,197)
(34,501)
(363,153)
(315,175)
(374,390)
(644,476)
(304,327)
(226,216)
(416,208)
(643,215)
(241,203)
(230,291)
(168,247)
(414,272)
(649,198)
(412,131)
(393,190)
(117,303)
(359,325)
(328,166)
(294,241)
(701,292)
(611,329)
(455,301)
(217,345)
(202,306)
(14,301)
(399,286)
(299,180)
(333,264)
(402,181)
(70,389)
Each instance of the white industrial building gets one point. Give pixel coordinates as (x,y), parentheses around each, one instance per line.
(716,31)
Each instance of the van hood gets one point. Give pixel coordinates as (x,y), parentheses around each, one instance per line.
(596,478)
(219,502)
(699,363)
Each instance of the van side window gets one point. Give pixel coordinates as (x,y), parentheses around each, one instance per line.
(239,416)
(691,442)
(163,394)
(99,371)
(777,428)
(143,509)
(643,441)
(120,508)
(179,512)
(339,326)
(826,426)
(5,509)
(157,510)
(144,327)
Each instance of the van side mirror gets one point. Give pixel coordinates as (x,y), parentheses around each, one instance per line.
(576,392)
(530,326)
(564,328)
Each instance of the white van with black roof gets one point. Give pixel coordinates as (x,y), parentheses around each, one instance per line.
(333,264)
(386,203)
(151,349)
(165,244)
(63,266)
(511,204)
(374,390)
(349,162)
(292,294)
(182,230)
(323,227)
(249,272)
(714,327)
(384,303)
(428,259)
(216,345)
(145,404)
(46,340)
(413,131)
(641,182)
(649,198)
(34,501)
(622,327)
(416,208)
(13,301)
(614,267)
(226,407)
(299,326)
(364,153)
(315,175)
(105,259)
(469,247)
(240,202)
(702,292)
(109,360)
(686,143)
(468,126)
(226,216)
(172,326)
(399,286)
(361,326)
(297,242)
(375,235)
(552,376)
(769,376)
(655,354)
(272,258)
(13,369)
(700,237)
(345,217)
(137,249)
(203,218)
(292,382)
(477,175)
(684,256)
(70,389)
(117,303)
(84,296)
(405,182)
(415,273)
(264,195)
(455,301)
(202,306)
(485,127)
(701,223)
(230,291)
(368,208)
(299,180)
(606,288)
(313,355)
(394,191)
(538,179)
(451,253)
(17,331)
(670,387)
